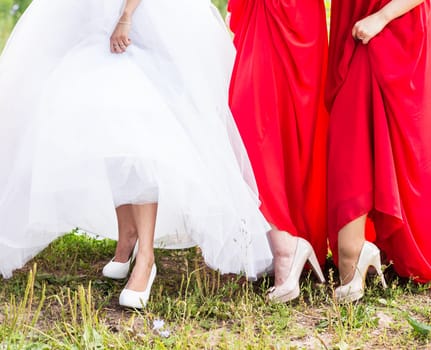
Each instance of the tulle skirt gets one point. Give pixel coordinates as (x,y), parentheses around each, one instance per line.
(84,131)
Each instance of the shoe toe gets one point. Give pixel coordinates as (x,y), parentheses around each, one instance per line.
(132,299)
(283,295)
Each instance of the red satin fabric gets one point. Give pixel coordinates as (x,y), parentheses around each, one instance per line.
(276,97)
(379,97)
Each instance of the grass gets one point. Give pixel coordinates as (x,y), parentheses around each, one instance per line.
(58,303)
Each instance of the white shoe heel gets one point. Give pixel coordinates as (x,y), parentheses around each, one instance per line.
(312,259)
(290,289)
(378,266)
(354,290)
(138,300)
(117,270)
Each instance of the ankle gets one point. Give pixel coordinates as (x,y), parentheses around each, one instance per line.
(346,269)
(124,249)
(141,272)
(145,258)
(348,256)
(282,269)
(350,251)
(283,244)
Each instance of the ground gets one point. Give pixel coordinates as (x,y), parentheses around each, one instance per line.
(66,304)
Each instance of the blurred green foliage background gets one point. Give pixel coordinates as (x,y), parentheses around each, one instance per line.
(10,11)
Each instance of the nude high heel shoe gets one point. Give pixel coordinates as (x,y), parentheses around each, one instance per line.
(354,290)
(289,290)
(138,300)
(117,270)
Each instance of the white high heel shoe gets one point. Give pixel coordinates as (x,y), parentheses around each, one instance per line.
(117,270)
(290,290)
(138,300)
(354,290)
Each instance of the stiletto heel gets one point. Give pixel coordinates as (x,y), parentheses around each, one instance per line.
(138,300)
(378,266)
(312,259)
(290,290)
(354,290)
(117,270)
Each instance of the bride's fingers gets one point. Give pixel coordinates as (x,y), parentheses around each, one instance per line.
(117,48)
(114,46)
(121,47)
(125,43)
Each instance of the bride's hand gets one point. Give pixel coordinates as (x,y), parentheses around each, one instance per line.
(120,37)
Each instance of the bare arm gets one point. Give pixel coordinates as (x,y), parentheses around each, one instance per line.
(120,37)
(368,27)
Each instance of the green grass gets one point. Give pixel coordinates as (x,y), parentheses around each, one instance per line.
(66,304)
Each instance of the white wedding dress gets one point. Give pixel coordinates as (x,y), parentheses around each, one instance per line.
(83,131)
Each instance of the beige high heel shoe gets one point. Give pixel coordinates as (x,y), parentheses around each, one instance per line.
(354,290)
(290,290)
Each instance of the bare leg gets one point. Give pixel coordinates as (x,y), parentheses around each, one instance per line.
(145,219)
(127,233)
(351,238)
(283,247)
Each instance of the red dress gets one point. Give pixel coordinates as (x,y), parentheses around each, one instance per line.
(379,97)
(276,97)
